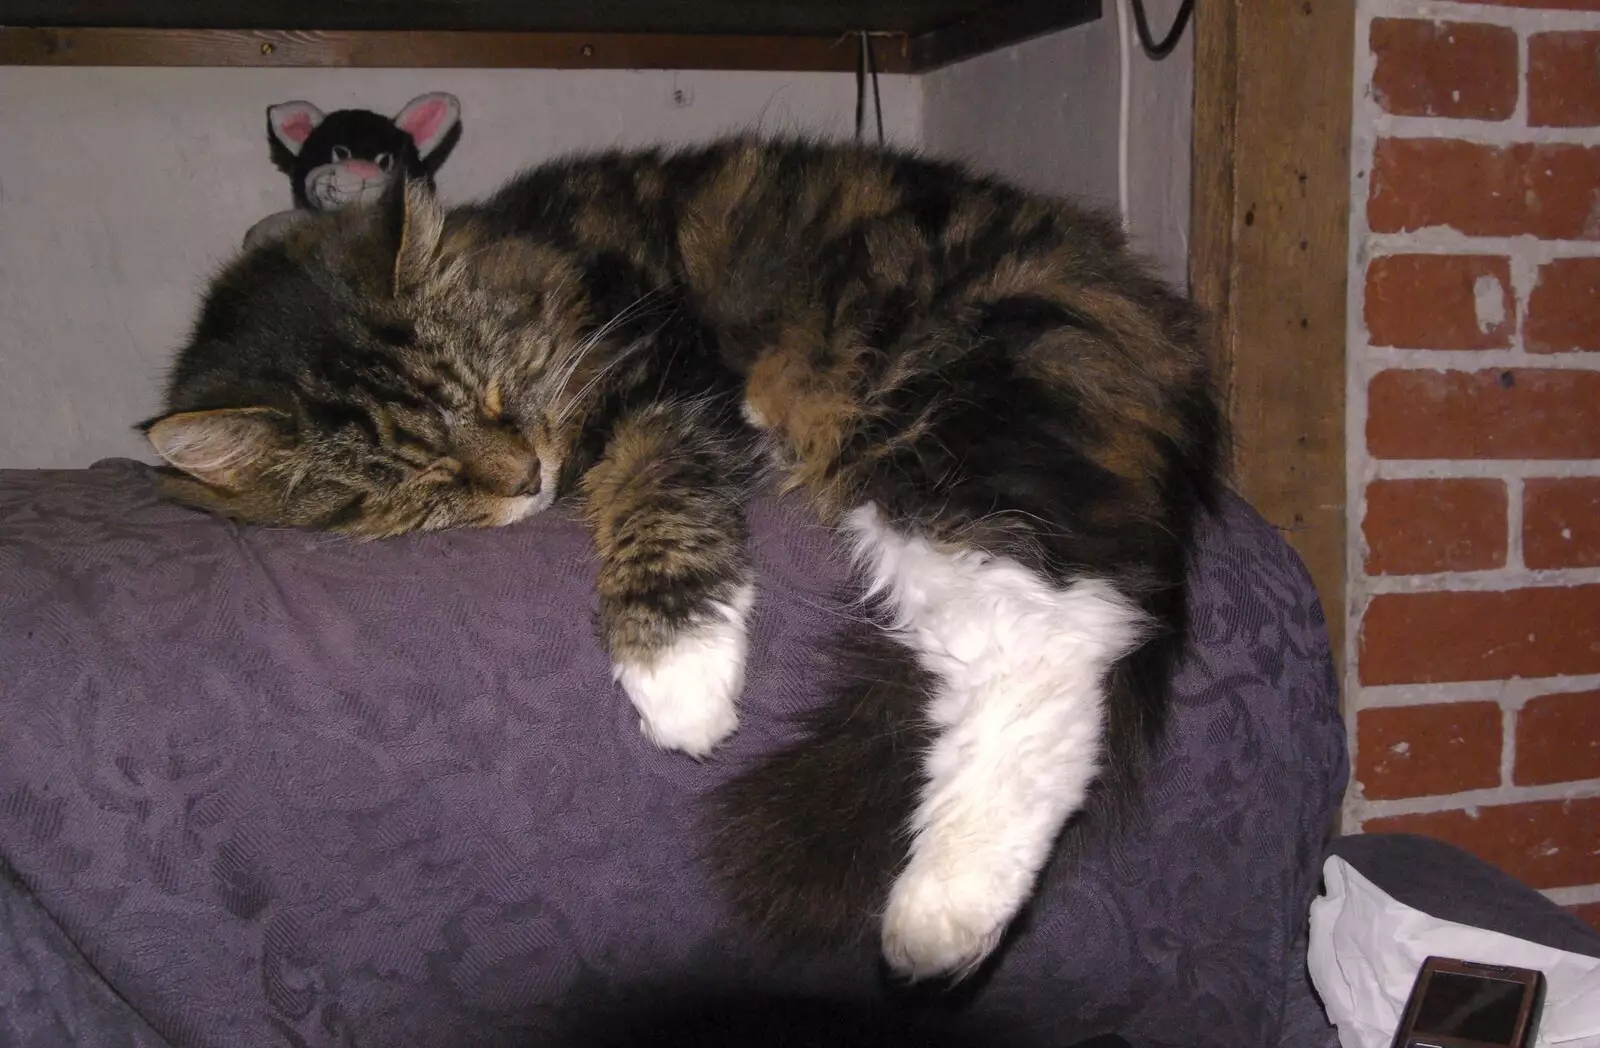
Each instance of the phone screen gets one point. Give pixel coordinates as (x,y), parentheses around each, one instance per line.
(1470,1007)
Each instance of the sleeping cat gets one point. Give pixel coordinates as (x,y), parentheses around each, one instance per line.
(1011,421)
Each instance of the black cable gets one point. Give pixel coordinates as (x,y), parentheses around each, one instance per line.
(877,99)
(861,84)
(1160,50)
(867,65)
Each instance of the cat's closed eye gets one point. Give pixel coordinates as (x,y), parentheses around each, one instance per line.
(492,408)
(442,471)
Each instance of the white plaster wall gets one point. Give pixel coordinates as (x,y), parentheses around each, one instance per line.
(1042,112)
(1045,112)
(1159,145)
(121,189)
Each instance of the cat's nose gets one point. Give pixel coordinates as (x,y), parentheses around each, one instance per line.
(363,168)
(530,483)
(505,475)
(498,461)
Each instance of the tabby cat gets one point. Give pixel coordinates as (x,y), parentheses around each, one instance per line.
(1011,420)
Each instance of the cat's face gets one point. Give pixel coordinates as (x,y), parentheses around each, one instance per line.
(359,375)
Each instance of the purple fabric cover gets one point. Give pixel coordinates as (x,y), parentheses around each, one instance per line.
(278,788)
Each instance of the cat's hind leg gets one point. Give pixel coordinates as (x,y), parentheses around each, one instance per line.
(1017,719)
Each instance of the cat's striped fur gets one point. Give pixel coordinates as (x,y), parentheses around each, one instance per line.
(1012,420)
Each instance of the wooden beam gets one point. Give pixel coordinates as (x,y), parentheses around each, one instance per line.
(1269,258)
(438,49)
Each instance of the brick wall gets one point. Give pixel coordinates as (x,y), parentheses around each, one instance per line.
(1474,391)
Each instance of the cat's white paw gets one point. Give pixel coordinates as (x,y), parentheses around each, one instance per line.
(945,918)
(688,695)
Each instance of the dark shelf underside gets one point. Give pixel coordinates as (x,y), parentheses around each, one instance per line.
(922,34)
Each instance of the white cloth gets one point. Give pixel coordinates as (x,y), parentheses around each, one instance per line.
(1367,947)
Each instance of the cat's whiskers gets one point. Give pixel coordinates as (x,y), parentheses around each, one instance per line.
(588,345)
(621,316)
(583,348)
(611,365)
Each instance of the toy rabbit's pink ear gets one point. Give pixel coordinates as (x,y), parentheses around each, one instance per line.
(292,123)
(429,119)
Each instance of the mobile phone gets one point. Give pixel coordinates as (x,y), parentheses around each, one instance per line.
(1469,1004)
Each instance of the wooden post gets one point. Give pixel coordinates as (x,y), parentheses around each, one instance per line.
(1270,257)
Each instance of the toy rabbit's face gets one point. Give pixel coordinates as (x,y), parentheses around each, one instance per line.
(351,155)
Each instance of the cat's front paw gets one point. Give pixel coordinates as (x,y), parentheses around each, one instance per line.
(687,695)
(944,919)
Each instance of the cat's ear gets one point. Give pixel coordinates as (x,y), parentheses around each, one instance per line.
(225,448)
(292,123)
(429,119)
(275,226)
(418,223)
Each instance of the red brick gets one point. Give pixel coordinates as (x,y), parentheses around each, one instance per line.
(1417,751)
(1514,413)
(1454,69)
(1431,302)
(1564,309)
(1558,739)
(1561,523)
(1564,79)
(1587,912)
(1546,190)
(1417,526)
(1421,638)
(1544,844)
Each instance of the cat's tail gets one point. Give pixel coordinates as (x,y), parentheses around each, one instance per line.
(808,841)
